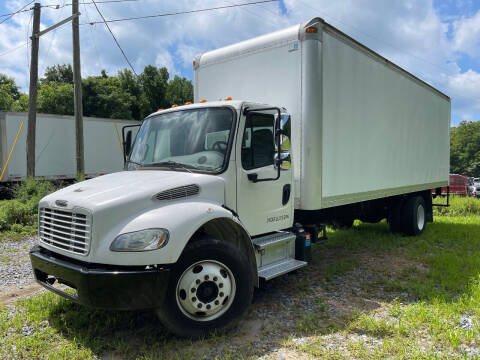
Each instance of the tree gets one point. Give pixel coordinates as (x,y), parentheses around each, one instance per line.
(58,73)
(179,91)
(465,148)
(130,84)
(154,82)
(104,97)
(11,99)
(55,98)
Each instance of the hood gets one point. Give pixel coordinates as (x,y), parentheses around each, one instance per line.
(131,188)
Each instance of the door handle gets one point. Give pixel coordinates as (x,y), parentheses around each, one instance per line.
(286,194)
(252,177)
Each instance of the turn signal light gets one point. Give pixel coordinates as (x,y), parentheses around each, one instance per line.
(311,29)
(174,105)
(203,100)
(228,98)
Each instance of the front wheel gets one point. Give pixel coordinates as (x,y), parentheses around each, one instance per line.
(210,286)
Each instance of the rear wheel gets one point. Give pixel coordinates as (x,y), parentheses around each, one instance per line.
(210,287)
(414,217)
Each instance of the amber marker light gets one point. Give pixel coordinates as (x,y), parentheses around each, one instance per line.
(174,105)
(188,103)
(203,100)
(228,98)
(311,29)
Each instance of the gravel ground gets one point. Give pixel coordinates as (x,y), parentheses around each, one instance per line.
(15,269)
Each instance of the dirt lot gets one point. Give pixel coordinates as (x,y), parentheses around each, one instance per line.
(361,297)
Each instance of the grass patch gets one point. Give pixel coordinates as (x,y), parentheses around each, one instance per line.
(18,217)
(459,206)
(439,317)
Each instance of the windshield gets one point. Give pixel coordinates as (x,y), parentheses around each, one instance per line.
(188,139)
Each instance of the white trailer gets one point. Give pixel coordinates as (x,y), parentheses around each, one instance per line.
(55,146)
(221,195)
(362,127)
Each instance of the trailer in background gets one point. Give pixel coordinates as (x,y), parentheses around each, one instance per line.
(55,146)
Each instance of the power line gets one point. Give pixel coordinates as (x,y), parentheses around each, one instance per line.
(180,12)
(58,6)
(13,49)
(114,38)
(16,12)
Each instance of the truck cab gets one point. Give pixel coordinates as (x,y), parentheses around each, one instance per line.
(202,213)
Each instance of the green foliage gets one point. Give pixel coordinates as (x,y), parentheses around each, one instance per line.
(59,74)
(10,97)
(154,82)
(459,206)
(179,91)
(55,98)
(21,212)
(465,148)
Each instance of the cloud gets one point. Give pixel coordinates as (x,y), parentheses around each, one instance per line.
(426,40)
(467,35)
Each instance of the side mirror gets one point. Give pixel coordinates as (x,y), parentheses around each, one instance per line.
(127,145)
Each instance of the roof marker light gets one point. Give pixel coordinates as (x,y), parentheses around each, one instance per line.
(188,103)
(174,105)
(228,98)
(203,100)
(160,109)
(311,29)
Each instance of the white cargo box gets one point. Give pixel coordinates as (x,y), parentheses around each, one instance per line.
(55,146)
(362,127)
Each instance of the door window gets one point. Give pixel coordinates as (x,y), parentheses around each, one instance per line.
(258,144)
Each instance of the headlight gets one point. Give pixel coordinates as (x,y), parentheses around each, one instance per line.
(144,240)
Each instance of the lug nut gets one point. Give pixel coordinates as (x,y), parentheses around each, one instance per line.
(217,302)
(208,306)
(207,277)
(220,285)
(199,305)
(215,278)
(221,294)
(193,290)
(197,281)
(194,299)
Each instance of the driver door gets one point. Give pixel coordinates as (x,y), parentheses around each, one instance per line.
(262,206)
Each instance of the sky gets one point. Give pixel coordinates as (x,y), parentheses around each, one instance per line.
(436,40)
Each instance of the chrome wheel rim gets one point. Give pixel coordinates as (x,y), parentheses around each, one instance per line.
(205,290)
(420,217)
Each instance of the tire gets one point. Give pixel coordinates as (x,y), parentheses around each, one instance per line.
(212,276)
(395,216)
(414,216)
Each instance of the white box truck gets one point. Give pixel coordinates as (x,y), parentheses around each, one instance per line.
(221,195)
(55,146)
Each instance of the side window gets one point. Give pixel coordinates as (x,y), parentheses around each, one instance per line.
(258,144)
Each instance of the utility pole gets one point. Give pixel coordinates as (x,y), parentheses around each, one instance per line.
(32,93)
(77,87)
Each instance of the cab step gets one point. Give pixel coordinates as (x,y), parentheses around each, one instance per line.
(273,239)
(271,271)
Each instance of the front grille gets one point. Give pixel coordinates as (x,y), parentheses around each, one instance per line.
(181,192)
(67,230)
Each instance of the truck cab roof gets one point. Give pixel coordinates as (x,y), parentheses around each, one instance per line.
(236,104)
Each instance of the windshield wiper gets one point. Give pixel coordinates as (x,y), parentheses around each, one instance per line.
(171,164)
(134,162)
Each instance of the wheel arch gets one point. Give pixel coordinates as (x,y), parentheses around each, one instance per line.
(229,230)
